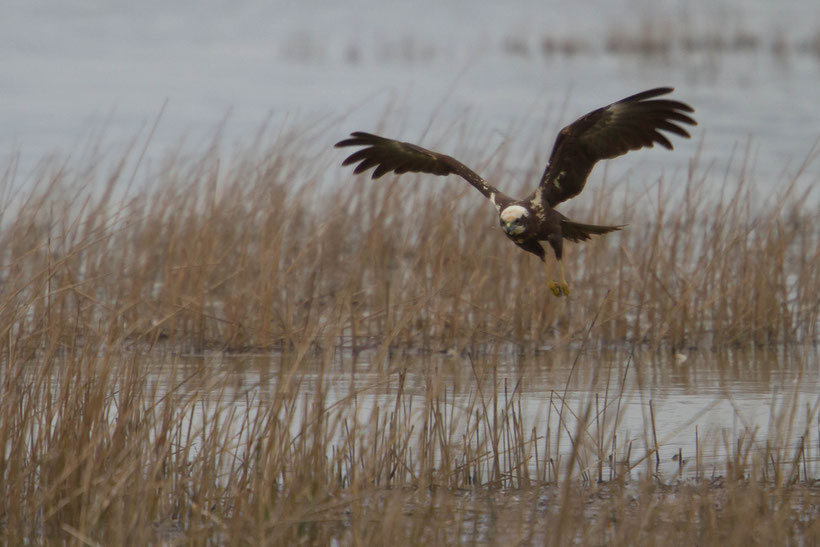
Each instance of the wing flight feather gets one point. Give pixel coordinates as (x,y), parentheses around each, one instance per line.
(629,124)
(388,155)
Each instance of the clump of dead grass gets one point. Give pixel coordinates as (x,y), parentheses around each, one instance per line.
(263,252)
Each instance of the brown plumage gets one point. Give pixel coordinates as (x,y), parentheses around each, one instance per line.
(635,122)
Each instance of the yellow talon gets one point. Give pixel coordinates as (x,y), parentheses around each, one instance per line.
(560,288)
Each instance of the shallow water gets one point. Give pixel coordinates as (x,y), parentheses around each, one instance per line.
(700,399)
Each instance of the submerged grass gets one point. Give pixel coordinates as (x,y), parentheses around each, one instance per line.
(110,438)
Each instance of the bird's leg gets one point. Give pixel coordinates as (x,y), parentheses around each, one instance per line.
(556,290)
(550,283)
(563,283)
(560,288)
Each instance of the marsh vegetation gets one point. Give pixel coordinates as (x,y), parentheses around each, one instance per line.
(242,351)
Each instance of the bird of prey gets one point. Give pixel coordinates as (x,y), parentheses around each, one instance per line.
(636,122)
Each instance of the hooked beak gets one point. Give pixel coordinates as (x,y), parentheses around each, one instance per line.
(508,228)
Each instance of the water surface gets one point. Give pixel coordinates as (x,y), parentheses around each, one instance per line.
(765,399)
(75,73)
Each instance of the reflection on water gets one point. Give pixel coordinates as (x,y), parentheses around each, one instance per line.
(701,406)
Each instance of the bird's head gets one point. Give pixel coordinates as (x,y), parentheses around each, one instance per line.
(514,220)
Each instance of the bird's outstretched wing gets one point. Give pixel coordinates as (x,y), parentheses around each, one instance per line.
(629,124)
(388,155)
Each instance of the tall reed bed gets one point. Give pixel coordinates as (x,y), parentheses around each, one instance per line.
(265,250)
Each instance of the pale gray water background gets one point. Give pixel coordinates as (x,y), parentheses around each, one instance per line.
(73,73)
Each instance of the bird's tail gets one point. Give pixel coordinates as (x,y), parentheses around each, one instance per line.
(575,231)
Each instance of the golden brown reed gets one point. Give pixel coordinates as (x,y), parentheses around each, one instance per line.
(110,438)
(268,253)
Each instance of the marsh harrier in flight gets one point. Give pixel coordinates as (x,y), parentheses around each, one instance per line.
(632,123)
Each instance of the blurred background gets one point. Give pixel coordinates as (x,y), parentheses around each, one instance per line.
(103,72)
